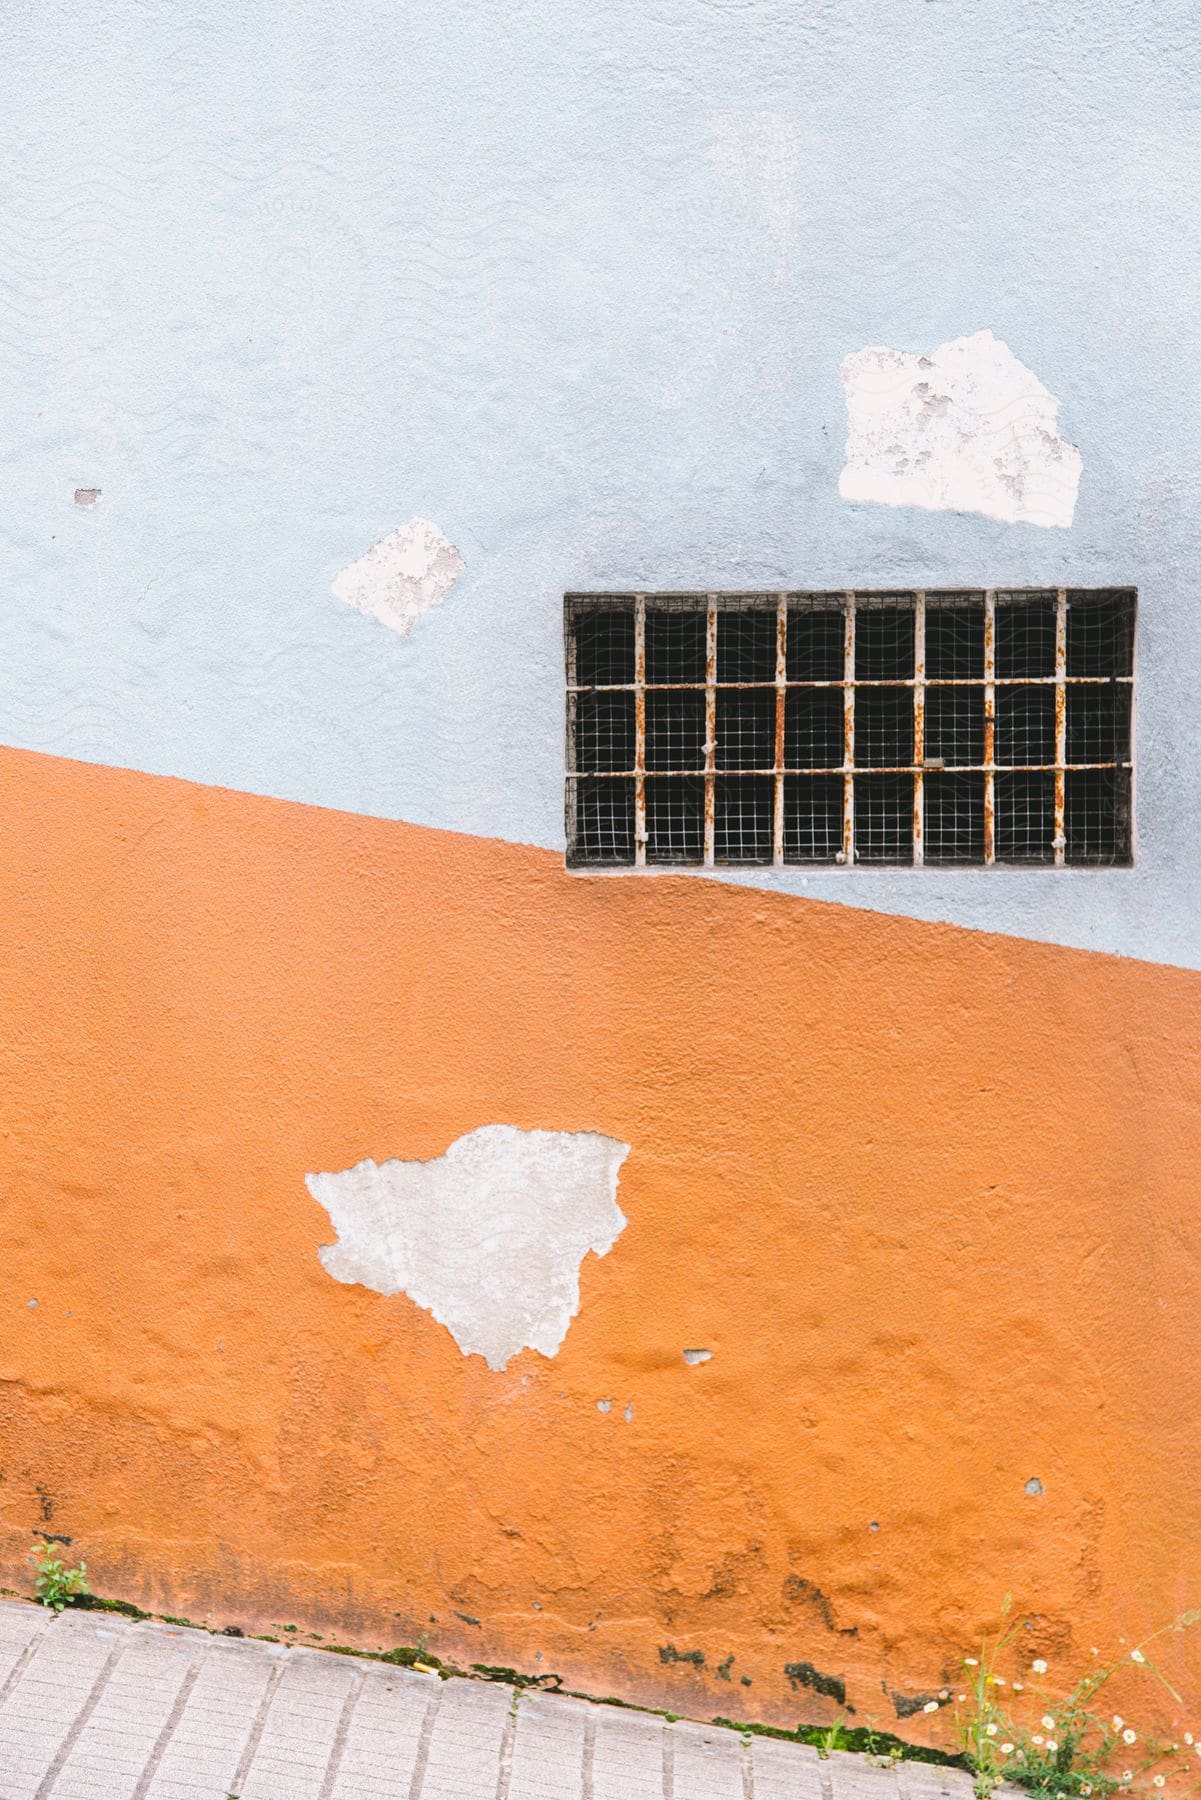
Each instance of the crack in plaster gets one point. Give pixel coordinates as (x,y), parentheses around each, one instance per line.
(488,1238)
(966,429)
(402,576)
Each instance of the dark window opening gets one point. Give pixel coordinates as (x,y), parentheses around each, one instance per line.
(947,728)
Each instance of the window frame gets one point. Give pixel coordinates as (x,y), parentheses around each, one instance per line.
(853,603)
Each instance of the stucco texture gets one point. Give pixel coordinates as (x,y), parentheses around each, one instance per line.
(927,1195)
(574,283)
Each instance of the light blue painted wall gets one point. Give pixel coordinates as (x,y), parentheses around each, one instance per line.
(574,281)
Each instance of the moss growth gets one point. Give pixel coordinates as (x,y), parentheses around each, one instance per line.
(127,1609)
(860,1739)
(514,1677)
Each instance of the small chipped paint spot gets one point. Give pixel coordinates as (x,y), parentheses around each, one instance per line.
(86,496)
(402,576)
(604,1406)
(692,1357)
(968,428)
(1034,1485)
(629,1413)
(875,1525)
(31,1303)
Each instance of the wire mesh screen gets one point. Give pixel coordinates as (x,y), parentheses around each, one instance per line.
(964,727)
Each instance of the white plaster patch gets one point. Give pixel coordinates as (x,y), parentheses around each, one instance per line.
(489,1237)
(966,429)
(402,576)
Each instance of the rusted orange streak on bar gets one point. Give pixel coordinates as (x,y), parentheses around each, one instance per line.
(919,726)
(848,731)
(777,834)
(640,730)
(990,725)
(1059,842)
(654,687)
(710,723)
(876,769)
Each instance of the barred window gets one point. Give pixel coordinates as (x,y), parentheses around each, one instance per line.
(922,728)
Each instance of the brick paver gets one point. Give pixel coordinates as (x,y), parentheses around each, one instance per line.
(93,1707)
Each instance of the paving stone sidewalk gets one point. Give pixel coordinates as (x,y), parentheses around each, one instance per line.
(93,1707)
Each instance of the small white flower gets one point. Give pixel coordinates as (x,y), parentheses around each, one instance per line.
(1051,1746)
(930,1706)
(1037,1738)
(990,1731)
(1006,1749)
(962,1696)
(1047,1722)
(944,1693)
(1137,1656)
(1019,1687)
(1128,1736)
(1188,1737)
(1086,1788)
(997,1680)
(1126,1775)
(1157,1780)
(971,1662)
(1197,1747)
(1118,1721)
(1039,1666)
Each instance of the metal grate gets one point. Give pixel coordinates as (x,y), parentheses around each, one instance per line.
(979,727)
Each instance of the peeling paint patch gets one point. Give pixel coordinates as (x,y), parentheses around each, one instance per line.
(488,1237)
(692,1357)
(966,429)
(86,496)
(402,576)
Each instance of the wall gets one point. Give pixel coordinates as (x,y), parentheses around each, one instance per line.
(911,1154)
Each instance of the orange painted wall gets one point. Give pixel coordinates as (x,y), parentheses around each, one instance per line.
(930,1197)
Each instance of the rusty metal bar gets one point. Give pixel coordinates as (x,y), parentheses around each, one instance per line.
(777,829)
(710,723)
(938,766)
(848,731)
(919,724)
(640,730)
(685,687)
(990,726)
(1059,841)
